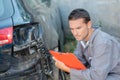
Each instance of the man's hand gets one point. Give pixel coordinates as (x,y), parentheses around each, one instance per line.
(61,65)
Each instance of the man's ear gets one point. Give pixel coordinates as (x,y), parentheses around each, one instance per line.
(89,24)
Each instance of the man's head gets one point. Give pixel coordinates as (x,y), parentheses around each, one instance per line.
(80,24)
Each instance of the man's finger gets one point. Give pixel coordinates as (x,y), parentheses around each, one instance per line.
(54,58)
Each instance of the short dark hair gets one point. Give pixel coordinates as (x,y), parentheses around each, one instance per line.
(79,13)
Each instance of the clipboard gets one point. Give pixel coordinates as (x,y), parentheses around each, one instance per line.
(69,59)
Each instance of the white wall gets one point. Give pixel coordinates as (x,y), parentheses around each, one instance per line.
(104,13)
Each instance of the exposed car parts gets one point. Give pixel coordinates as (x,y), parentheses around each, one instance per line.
(30,55)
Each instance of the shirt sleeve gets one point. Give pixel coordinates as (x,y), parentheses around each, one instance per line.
(101,64)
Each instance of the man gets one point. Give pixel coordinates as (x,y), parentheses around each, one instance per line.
(96,49)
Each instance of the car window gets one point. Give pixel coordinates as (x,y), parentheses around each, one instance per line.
(6,9)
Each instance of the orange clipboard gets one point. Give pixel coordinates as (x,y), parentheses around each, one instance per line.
(69,59)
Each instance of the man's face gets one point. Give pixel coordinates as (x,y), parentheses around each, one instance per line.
(80,29)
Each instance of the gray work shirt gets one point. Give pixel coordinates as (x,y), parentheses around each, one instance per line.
(102,57)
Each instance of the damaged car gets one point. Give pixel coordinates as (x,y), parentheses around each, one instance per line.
(26,35)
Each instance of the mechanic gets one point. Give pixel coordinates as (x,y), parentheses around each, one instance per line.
(97,50)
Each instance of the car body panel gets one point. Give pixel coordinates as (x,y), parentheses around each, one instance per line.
(20,16)
(6,12)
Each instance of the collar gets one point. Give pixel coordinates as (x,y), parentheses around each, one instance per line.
(84,44)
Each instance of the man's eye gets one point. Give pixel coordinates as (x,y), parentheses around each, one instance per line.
(79,28)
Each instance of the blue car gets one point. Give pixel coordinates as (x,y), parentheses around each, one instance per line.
(24,44)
